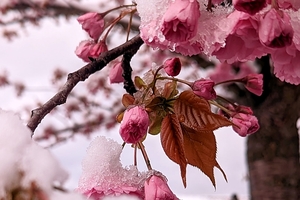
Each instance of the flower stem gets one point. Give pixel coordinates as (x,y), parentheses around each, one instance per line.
(145,155)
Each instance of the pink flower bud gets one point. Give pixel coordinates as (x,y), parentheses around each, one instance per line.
(172,66)
(92,23)
(275,29)
(156,188)
(115,73)
(180,21)
(87,49)
(254,83)
(245,124)
(204,88)
(134,125)
(249,6)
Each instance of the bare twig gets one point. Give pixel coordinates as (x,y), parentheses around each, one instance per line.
(81,75)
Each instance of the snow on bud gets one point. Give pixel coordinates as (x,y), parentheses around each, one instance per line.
(134,125)
(254,83)
(180,21)
(249,6)
(172,66)
(204,88)
(115,73)
(92,23)
(275,29)
(156,187)
(245,124)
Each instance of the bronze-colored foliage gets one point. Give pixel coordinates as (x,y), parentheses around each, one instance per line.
(195,112)
(187,136)
(172,143)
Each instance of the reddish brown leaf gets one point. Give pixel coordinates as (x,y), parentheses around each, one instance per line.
(195,112)
(200,150)
(172,143)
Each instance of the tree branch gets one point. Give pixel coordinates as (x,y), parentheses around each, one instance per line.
(82,74)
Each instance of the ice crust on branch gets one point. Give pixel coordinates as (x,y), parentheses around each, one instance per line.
(24,162)
(103,173)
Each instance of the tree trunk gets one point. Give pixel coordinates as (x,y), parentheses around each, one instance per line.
(273,152)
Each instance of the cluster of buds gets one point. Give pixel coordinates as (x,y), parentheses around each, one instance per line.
(95,24)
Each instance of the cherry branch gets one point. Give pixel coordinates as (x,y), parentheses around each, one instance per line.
(82,74)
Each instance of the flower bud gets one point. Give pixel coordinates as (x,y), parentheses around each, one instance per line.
(92,23)
(254,83)
(115,73)
(245,124)
(89,49)
(134,125)
(204,88)
(172,66)
(156,187)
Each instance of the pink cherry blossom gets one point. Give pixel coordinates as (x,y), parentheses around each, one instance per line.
(249,6)
(115,73)
(134,125)
(286,64)
(204,88)
(172,66)
(161,27)
(275,29)
(286,4)
(156,188)
(89,49)
(254,83)
(180,20)
(92,23)
(242,43)
(245,124)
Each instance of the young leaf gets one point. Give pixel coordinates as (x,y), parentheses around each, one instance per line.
(127,100)
(200,150)
(195,113)
(172,143)
(157,114)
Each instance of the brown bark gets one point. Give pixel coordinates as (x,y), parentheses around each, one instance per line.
(273,152)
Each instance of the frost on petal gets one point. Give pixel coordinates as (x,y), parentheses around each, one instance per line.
(161,28)
(103,174)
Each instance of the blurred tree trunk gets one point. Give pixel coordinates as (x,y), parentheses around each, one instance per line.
(273,152)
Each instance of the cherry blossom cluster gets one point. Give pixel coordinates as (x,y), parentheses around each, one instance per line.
(247,30)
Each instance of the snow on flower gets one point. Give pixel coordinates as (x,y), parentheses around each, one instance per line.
(157,33)
(23,162)
(103,174)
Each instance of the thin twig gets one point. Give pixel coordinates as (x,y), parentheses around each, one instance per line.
(80,75)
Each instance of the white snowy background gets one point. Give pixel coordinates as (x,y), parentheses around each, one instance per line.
(32,57)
